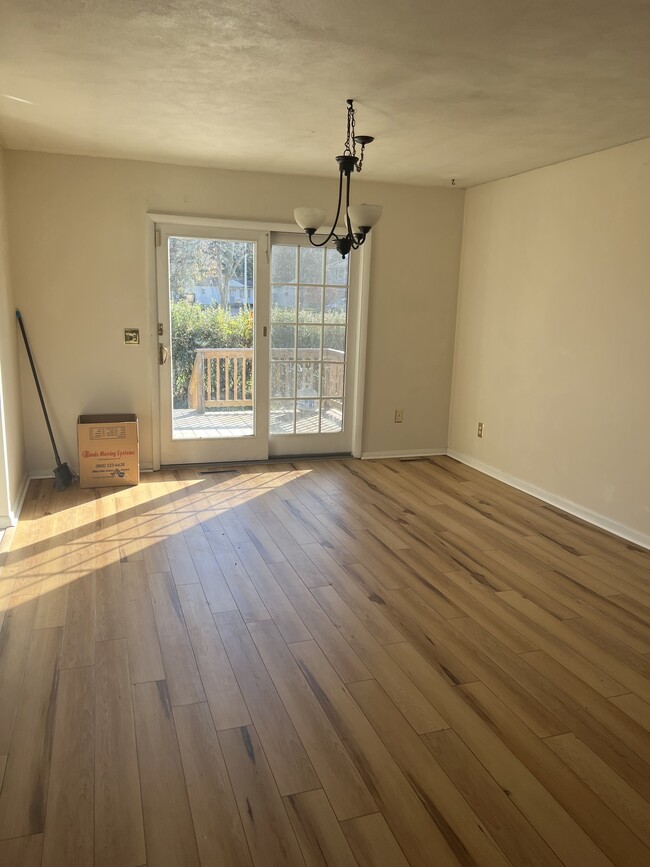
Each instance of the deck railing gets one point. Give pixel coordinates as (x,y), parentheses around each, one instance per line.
(221,378)
(224,377)
(308,384)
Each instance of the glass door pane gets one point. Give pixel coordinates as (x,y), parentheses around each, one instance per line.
(212,298)
(213,312)
(309,318)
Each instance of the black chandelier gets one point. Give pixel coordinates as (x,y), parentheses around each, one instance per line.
(358,220)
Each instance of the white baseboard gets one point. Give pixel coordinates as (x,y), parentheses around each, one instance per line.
(405,453)
(642,539)
(20,499)
(41,474)
(48,474)
(11,519)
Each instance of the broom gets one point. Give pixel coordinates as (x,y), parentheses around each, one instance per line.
(63,475)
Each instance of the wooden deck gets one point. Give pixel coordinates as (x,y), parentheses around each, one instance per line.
(214,424)
(192,425)
(378,663)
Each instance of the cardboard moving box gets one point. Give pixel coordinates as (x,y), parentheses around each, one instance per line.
(108,450)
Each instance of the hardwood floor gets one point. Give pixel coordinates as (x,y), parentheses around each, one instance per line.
(337,663)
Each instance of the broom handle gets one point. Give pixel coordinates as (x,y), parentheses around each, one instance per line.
(38,387)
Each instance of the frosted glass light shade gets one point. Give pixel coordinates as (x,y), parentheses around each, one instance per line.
(364,215)
(309,218)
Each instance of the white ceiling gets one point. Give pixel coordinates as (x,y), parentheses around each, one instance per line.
(471,89)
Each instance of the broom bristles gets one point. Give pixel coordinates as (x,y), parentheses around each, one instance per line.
(63,477)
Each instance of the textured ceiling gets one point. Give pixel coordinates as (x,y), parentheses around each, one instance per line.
(471,89)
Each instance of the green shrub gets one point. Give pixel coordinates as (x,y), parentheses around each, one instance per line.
(193,327)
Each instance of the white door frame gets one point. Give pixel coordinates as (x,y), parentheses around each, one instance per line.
(360,326)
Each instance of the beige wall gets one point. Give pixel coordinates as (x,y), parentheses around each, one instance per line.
(78,240)
(553,333)
(12,458)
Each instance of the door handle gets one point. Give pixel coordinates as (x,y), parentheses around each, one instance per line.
(163,353)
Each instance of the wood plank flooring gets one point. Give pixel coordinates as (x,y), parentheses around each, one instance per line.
(321,664)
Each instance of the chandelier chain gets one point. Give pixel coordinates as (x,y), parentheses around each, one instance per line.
(360,163)
(350,148)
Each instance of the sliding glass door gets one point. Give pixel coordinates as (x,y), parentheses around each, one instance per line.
(254,345)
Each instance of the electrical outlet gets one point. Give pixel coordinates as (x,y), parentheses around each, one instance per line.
(479,432)
(399,416)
